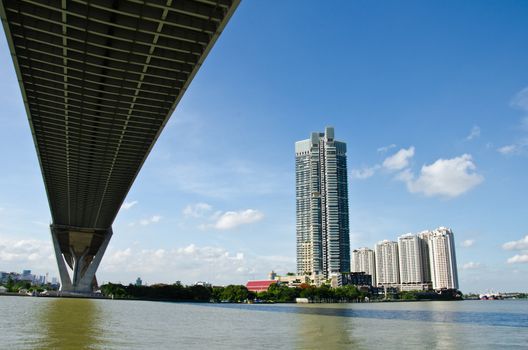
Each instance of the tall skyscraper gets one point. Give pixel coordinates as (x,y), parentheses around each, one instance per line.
(442,258)
(387,264)
(363,260)
(410,259)
(323,243)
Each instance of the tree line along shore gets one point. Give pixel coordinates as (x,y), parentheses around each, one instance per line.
(275,294)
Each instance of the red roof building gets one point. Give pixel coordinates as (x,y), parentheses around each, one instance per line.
(259,286)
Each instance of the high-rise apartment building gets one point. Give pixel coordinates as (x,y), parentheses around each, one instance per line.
(363,260)
(426,263)
(387,264)
(323,243)
(442,259)
(410,259)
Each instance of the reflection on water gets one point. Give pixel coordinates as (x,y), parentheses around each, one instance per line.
(316,332)
(46,323)
(71,324)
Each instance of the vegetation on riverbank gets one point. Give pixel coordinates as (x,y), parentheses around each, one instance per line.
(232,293)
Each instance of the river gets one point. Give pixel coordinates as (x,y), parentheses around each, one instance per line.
(60,323)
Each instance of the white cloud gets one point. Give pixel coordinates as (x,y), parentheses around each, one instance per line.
(191,263)
(399,160)
(445,177)
(232,219)
(520,245)
(471,265)
(517,245)
(151,220)
(364,173)
(518,259)
(524,123)
(16,255)
(467,243)
(515,148)
(128,205)
(474,133)
(198,210)
(221,220)
(509,149)
(520,100)
(385,149)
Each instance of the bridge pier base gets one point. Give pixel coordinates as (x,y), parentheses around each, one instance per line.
(79,252)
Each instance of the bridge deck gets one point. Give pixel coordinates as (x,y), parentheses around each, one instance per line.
(100,79)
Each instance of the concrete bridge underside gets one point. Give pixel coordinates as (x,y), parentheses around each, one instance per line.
(99,80)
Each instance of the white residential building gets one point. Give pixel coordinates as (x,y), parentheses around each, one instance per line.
(387,264)
(426,263)
(410,259)
(442,259)
(363,260)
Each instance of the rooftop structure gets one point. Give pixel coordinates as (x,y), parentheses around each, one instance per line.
(259,286)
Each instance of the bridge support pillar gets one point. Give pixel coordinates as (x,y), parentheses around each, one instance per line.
(79,252)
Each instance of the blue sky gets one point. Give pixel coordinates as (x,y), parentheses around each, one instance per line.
(431,98)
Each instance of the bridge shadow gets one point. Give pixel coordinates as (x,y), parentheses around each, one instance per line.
(71,324)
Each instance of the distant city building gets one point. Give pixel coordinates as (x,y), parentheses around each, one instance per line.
(139,282)
(410,259)
(387,264)
(4,276)
(322,227)
(363,260)
(27,276)
(442,258)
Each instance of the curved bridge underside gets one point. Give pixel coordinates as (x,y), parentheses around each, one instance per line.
(99,80)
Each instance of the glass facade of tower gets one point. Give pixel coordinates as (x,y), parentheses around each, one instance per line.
(323,243)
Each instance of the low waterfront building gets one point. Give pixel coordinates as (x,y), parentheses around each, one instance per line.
(357,279)
(203,284)
(363,260)
(259,286)
(292,280)
(407,287)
